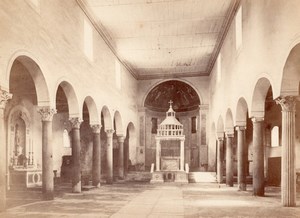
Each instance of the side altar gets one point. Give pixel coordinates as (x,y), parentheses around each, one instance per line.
(22,169)
(169,166)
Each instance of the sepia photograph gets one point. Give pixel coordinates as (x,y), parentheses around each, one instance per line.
(149,108)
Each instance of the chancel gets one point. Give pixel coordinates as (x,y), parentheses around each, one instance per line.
(149,108)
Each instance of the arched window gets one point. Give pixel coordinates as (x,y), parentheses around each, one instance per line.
(275,136)
(66,139)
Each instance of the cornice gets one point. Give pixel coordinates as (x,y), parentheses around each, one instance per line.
(235,4)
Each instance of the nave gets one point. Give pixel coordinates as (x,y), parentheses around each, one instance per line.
(133,199)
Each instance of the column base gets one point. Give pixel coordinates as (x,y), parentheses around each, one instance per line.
(242,187)
(109,181)
(96,184)
(77,188)
(47,196)
(259,192)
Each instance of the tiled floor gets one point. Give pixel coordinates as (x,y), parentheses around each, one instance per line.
(147,200)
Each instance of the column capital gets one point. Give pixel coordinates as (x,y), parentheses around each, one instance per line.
(229,134)
(109,132)
(47,113)
(203,106)
(4,97)
(257,119)
(75,122)
(221,138)
(240,128)
(287,103)
(121,138)
(96,128)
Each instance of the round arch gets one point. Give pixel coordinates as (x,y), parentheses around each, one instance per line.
(291,76)
(166,80)
(93,111)
(31,64)
(73,105)
(118,123)
(259,96)
(241,112)
(229,126)
(220,127)
(107,121)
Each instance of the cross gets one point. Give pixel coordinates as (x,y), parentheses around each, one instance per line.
(170,102)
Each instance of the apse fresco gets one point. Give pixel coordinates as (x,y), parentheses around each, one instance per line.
(184,97)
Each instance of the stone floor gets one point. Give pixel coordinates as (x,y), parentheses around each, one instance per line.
(150,200)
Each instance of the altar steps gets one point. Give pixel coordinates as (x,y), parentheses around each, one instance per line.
(206,177)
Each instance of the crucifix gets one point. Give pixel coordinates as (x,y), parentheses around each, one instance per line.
(170,102)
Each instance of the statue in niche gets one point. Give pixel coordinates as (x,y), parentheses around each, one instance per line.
(19,153)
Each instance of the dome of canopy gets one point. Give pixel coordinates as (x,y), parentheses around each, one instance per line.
(170,126)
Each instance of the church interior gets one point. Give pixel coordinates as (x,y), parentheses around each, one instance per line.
(149,99)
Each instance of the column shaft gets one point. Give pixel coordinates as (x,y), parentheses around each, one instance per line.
(47,153)
(241,158)
(121,156)
(4,97)
(220,160)
(96,168)
(109,156)
(157,155)
(229,160)
(47,163)
(288,178)
(182,155)
(258,157)
(76,180)
(3,162)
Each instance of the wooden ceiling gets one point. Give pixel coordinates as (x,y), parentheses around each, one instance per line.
(163,38)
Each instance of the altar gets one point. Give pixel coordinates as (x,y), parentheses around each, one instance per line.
(169,166)
(22,169)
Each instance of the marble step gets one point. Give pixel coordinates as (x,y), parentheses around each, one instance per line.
(209,177)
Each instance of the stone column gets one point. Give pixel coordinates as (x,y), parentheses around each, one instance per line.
(288,179)
(182,154)
(241,157)
(229,159)
(109,157)
(4,97)
(157,155)
(220,160)
(76,180)
(121,156)
(258,157)
(47,152)
(96,168)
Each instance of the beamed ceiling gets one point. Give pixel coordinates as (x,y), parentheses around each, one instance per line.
(163,38)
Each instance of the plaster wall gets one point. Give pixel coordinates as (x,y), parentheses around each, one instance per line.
(52,34)
(269,31)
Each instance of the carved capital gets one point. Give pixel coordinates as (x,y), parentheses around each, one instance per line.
(75,122)
(287,103)
(220,138)
(47,113)
(121,139)
(109,132)
(96,128)
(257,119)
(229,135)
(4,97)
(240,128)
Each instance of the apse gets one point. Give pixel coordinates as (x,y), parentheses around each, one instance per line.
(184,97)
